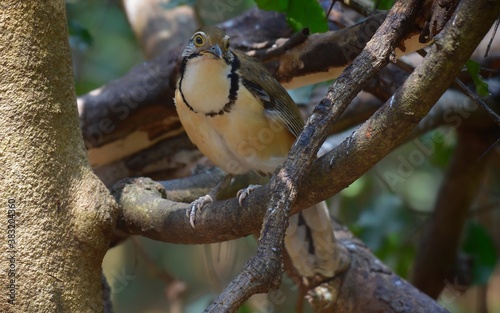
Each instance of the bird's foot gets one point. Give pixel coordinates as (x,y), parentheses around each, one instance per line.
(196,206)
(243,193)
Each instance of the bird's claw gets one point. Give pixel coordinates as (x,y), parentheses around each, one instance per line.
(243,193)
(196,206)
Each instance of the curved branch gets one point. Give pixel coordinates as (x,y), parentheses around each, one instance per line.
(337,169)
(368,286)
(263,270)
(397,117)
(137,111)
(329,174)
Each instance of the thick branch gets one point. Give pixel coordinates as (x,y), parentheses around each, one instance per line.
(58,216)
(133,103)
(334,171)
(263,271)
(368,286)
(329,174)
(137,110)
(392,123)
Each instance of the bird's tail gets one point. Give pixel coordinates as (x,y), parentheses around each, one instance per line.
(311,244)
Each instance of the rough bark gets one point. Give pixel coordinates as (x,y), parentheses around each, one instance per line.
(136,112)
(132,118)
(63,215)
(368,286)
(380,134)
(263,271)
(60,216)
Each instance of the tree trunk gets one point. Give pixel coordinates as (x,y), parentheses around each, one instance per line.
(57,217)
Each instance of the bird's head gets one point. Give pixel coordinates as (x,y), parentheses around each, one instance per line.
(208,41)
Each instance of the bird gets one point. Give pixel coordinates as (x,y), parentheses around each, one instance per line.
(242,119)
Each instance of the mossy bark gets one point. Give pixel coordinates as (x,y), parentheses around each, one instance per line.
(57,217)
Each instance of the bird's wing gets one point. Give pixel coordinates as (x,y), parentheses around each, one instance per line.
(276,101)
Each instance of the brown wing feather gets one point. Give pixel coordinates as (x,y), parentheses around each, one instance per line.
(276,101)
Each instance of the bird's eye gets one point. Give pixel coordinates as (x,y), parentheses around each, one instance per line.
(198,40)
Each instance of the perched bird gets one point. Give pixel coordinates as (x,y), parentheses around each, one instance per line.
(242,119)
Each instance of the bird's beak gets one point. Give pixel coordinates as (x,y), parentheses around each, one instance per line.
(215,50)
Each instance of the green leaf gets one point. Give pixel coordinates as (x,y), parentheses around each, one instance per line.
(385,4)
(385,226)
(479,82)
(245,308)
(310,14)
(472,67)
(444,146)
(273,5)
(479,245)
(299,13)
(79,33)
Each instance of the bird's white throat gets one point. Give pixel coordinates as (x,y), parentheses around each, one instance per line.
(205,84)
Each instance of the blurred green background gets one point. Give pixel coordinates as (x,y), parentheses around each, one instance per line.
(387,208)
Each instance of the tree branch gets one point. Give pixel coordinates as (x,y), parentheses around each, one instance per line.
(393,122)
(437,251)
(137,111)
(368,286)
(337,169)
(354,293)
(329,174)
(60,216)
(263,271)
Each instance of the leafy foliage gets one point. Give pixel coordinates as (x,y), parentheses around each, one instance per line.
(299,13)
(479,245)
(103,45)
(389,218)
(481,84)
(384,4)
(78,34)
(443,150)
(385,227)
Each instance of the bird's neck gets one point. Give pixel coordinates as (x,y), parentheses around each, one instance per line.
(209,85)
